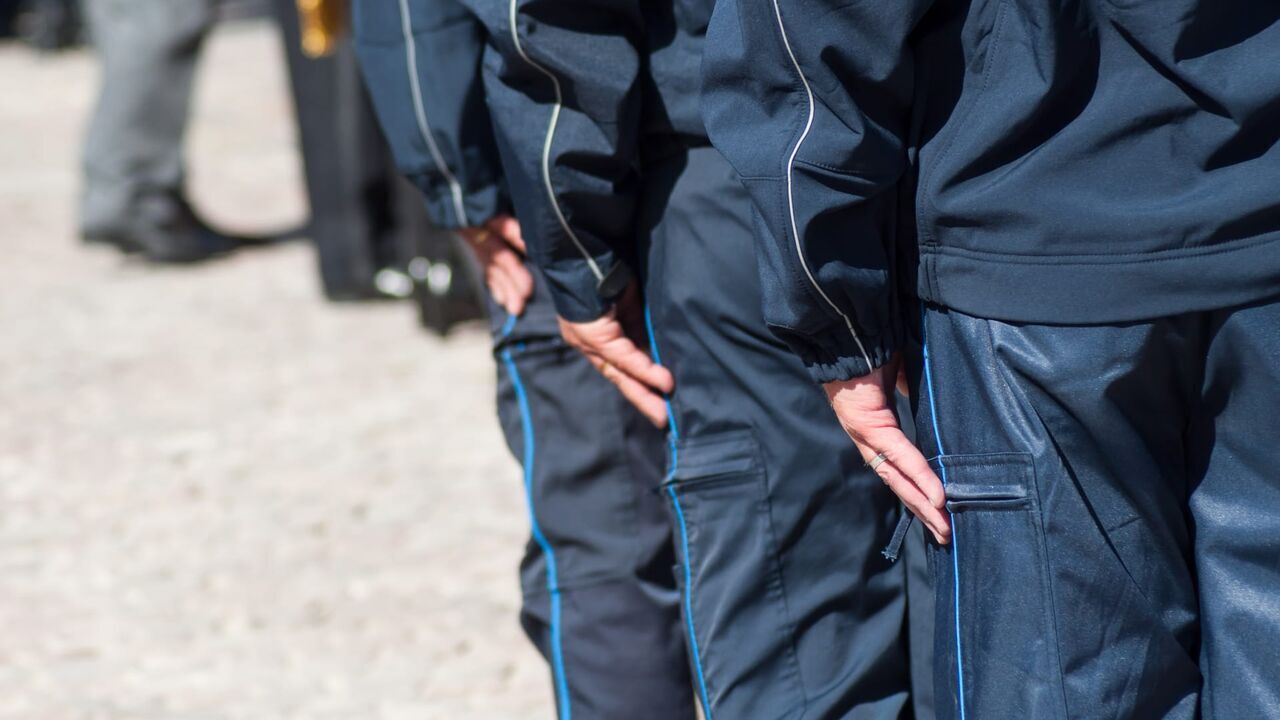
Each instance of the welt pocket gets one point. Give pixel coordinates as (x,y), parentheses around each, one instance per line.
(730,574)
(724,458)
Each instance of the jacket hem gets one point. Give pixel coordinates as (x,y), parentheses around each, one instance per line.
(1092,290)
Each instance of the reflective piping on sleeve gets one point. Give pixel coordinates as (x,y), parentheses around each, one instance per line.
(942,466)
(791,203)
(673,437)
(546,144)
(415,88)
(553,587)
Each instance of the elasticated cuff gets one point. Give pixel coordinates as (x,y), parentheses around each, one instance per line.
(579,296)
(479,205)
(836,356)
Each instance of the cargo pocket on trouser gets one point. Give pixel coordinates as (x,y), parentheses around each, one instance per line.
(730,581)
(1000,658)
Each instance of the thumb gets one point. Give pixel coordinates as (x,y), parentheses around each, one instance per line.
(508,228)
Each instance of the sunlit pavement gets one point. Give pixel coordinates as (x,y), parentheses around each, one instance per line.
(221,497)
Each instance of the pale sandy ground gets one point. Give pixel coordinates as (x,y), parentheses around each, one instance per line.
(219,496)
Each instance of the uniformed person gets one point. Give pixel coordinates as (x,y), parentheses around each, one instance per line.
(600,600)
(789,608)
(1062,219)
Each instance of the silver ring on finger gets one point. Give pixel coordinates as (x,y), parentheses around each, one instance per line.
(877,461)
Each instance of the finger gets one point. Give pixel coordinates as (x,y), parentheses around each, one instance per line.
(495,292)
(915,491)
(524,281)
(512,302)
(903,387)
(630,359)
(513,299)
(499,287)
(569,332)
(508,228)
(649,403)
(910,462)
(518,299)
(916,502)
(518,273)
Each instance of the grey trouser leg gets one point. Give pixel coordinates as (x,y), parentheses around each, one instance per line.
(147,50)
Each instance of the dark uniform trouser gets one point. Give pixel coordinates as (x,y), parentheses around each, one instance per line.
(1116,502)
(133,150)
(600,601)
(790,609)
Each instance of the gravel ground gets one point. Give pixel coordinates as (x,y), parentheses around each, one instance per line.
(219,496)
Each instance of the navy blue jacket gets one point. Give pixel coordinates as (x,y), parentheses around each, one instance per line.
(582,92)
(1047,161)
(421,62)
(579,92)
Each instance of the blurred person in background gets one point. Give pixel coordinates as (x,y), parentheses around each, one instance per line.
(43,24)
(133,195)
(599,595)
(371,232)
(353,190)
(372,236)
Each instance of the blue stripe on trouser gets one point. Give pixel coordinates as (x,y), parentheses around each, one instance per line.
(942,466)
(688,602)
(508,327)
(553,589)
(674,436)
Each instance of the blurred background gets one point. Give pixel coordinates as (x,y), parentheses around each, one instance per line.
(260,478)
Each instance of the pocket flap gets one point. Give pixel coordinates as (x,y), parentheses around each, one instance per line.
(987,480)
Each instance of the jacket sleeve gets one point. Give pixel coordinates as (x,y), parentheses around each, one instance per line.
(421,63)
(566,101)
(810,100)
